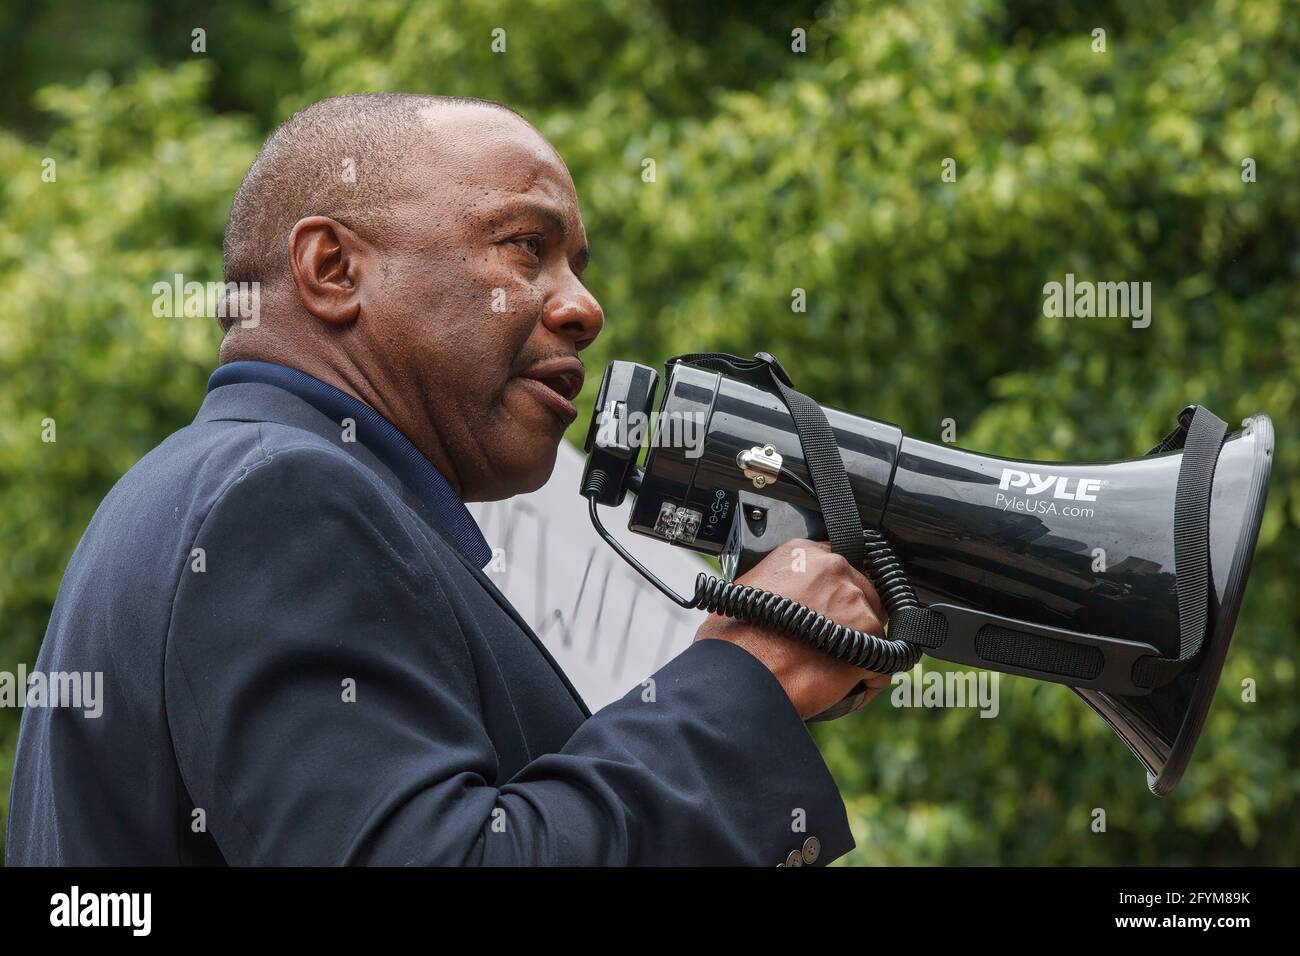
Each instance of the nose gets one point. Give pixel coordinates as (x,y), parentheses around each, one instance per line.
(573,313)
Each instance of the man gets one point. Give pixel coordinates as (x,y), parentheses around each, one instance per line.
(303,661)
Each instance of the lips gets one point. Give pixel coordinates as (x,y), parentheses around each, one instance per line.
(555,383)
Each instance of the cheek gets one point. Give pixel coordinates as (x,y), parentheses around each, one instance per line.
(515,293)
(468,320)
(490,283)
(503,309)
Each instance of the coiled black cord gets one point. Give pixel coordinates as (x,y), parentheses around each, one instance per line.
(883,570)
(886,573)
(745,603)
(879,654)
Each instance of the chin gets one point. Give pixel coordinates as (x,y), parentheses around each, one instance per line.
(525,474)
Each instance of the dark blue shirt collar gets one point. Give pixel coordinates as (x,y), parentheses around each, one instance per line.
(381,437)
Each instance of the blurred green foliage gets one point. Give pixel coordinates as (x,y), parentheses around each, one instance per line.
(775,171)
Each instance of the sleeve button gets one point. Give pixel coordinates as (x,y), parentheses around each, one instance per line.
(812,849)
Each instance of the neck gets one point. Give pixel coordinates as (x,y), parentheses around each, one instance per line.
(402,407)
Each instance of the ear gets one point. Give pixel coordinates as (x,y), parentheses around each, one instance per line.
(325,258)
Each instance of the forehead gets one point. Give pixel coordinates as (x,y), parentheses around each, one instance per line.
(482,158)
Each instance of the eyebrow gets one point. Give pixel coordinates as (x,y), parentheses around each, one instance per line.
(542,210)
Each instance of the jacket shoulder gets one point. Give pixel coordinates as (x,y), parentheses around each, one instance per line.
(212,457)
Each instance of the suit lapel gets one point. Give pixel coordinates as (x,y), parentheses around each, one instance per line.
(259,402)
(509,608)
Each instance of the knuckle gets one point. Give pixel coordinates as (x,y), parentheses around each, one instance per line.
(836,564)
(847,593)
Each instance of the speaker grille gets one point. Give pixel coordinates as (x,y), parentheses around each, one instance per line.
(1002,645)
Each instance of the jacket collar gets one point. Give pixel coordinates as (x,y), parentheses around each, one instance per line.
(380,436)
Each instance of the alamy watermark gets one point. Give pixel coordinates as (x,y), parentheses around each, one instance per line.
(222,300)
(921,688)
(133,911)
(665,430)
(79,690)
(1103,300)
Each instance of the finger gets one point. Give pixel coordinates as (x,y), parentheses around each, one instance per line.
(862,582)
(869,591)
(858,577)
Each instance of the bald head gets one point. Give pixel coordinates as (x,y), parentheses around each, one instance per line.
(346,157)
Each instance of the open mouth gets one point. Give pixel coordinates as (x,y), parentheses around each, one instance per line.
(555,383)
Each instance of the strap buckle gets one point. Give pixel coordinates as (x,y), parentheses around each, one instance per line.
(770,360)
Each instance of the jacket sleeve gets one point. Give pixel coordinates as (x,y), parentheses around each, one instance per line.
(324,710)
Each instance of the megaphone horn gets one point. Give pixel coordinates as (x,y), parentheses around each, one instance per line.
(1121,579)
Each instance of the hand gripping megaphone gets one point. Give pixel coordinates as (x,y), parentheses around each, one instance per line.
(1121,579)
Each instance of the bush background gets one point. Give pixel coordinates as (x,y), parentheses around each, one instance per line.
(775,170)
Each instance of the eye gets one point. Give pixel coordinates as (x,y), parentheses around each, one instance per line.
(533,244)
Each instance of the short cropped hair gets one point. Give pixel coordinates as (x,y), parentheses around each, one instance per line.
(341,157)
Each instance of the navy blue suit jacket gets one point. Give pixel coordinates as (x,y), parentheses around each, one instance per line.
(338,684)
